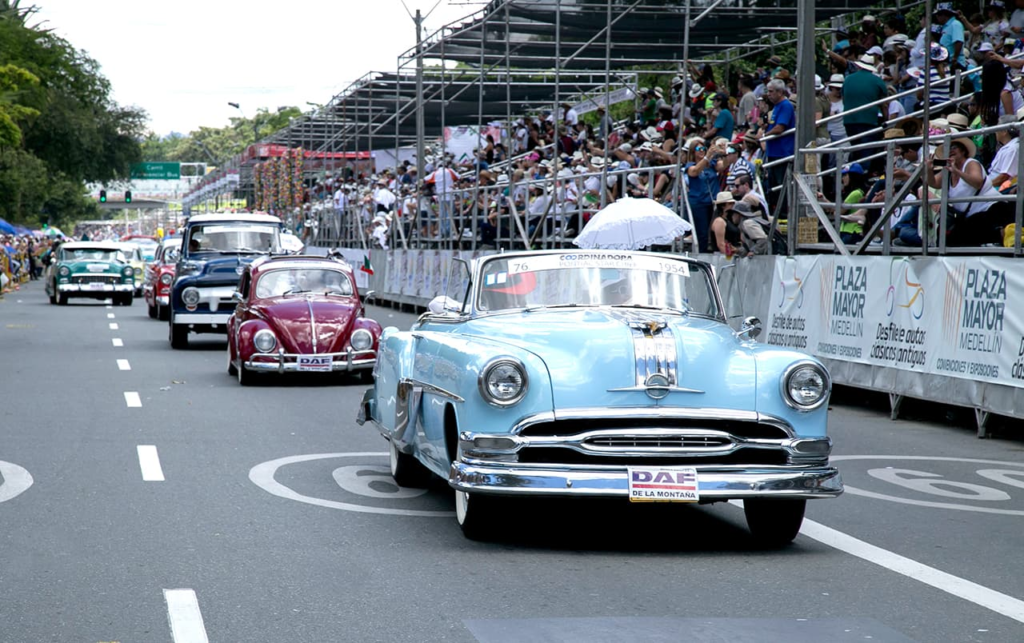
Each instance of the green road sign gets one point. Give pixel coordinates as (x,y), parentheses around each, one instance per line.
(156,171)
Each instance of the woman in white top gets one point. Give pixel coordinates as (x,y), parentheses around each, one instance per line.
(978,222)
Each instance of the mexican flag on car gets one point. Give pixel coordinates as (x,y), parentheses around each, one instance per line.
(366,267)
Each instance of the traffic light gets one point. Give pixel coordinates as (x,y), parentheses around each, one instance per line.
(128,196)
(103,196)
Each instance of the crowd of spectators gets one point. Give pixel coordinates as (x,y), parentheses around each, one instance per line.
(730,145)
(21,259)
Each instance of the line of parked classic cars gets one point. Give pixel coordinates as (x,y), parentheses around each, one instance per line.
(539,373)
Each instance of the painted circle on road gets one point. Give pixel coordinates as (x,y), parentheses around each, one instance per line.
(15,480)
(348,478)
(943,487)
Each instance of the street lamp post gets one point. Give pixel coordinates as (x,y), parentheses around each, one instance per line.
(255,132)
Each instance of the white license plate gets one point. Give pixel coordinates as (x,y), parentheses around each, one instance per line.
(316,363)
(95,286)
(663,484)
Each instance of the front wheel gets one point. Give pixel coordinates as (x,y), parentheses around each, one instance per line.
(62,299)
(475,514)
(232,370)
(774,523)
(53,295)
(178,335)
(151,311)
(406,469)
(127,300)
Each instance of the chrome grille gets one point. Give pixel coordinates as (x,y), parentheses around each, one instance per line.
(659,442)
(95,279)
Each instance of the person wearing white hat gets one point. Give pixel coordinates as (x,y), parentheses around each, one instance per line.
(861,88)
(836,130)
(995,26)
(1003,169)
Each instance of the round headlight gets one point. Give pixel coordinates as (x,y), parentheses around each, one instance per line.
(264,341)
(361,340)
(805,386)
(503,382)
(138,272)
(166,278)
(64,271)
(190,296)
(127,271)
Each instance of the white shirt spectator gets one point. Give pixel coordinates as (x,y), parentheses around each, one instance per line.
(1018,100)
(384,197)
(917,53)
(340,200)
(896,110)
(443,180)
(571,117)
(1005,161)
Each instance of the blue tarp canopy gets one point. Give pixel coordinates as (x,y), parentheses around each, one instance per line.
(7,228)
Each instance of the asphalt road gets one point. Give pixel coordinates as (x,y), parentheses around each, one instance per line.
(276,517)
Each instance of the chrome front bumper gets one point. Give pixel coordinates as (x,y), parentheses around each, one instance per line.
(715,482)
(95,288)
(350,360)
(163,301)
(216,319)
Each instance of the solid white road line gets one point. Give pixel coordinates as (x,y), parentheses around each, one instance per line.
(117,342)
(149,462)
(959,587)
(110,315)
(184,615)
(132,399)
(113,326)
(124,365)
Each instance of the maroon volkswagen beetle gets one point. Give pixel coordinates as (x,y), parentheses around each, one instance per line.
(300,314)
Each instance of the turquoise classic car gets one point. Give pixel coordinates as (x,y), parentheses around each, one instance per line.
(95,270)
(600,373)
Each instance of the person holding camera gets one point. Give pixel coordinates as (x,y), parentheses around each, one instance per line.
(701,183)
(977,222)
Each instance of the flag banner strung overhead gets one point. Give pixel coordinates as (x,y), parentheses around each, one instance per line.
(944,316)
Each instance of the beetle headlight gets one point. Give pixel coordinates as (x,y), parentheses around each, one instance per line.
(190,296)
(361,340)
(805,386)
(166,278)
(503,382)
(64,271)
(264,341)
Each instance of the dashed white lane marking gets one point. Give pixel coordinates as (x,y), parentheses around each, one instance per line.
(109,307)
(117,342)
(132,399)
(959,587)
(185,618)
(149,462)
(123,365)
(113,326)
(110,315)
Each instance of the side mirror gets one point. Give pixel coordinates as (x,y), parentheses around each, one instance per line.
(750,329)
(237,297)
(369,295)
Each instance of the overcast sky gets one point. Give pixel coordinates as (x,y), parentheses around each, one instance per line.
(183,61)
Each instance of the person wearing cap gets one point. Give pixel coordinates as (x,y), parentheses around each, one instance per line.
(723,123)
(869,31)
(851,230)
(701,182)
(737,165)
(952,37)
(1003,169)
(753,238)
(836,130)
(860,88)
(995,26)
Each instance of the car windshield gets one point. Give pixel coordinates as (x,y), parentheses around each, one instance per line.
(233,237)
(91,254)
(147,247)
(287,281)
(596,278)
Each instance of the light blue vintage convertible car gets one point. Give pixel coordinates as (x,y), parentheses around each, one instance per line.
(600,373)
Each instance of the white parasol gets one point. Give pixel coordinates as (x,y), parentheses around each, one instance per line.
(631,224)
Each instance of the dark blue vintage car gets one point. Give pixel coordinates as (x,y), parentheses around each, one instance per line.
(216,248)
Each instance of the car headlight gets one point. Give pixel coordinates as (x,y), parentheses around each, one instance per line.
(138,272)
(166,278)
(190,296)
(127,271)
(64,271)
(805,386)
(264,341)
(503,381)
(361,340)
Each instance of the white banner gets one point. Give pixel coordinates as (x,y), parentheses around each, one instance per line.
(946,316)
(613,97)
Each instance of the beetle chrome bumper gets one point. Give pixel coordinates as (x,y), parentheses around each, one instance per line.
(715,482)
(348,361)
(95,288)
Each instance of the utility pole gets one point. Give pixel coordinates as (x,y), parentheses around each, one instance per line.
(420,129)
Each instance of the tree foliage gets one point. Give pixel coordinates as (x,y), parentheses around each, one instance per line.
(215,145)
(59,127)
